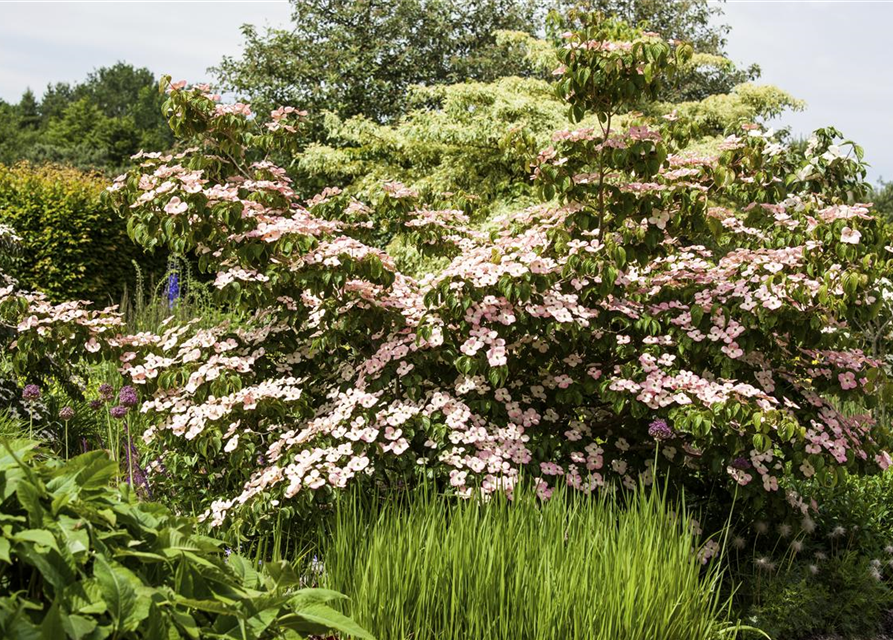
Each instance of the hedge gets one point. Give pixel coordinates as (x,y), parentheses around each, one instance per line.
(73,246)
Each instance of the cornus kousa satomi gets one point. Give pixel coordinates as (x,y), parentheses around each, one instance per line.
(628,311)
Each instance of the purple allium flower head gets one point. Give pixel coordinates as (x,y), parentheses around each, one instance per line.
(31,392)
(106,392)
(119,412)
(660,430)
(140,483)
(741,463)
(95,404)
(127,396)
(66,413)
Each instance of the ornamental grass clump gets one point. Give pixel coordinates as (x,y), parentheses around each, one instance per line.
(429,567)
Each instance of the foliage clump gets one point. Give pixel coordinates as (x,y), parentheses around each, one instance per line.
(319,64)
(481,138)
(72,246)
(82,558)
(95,124)
(844,594)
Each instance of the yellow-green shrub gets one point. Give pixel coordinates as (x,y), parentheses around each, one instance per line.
(73,246)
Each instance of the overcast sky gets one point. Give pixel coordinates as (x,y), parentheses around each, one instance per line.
(835,55)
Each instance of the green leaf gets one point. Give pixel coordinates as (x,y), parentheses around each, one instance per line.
(282,575)
(145,556)
(117,586)
(697,313)
(243,568)
(97,470)
(210,606)
(84,597)
(315,596)
(186,623)
(51,627)
(49,563)
(318,619)
(37,536)
(78,627)
(158,627)
(29,496)
(4,550)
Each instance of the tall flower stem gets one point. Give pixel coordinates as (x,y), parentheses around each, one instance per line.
(129,454)
(108,419)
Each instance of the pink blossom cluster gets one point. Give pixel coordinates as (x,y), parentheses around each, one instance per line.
(546,348)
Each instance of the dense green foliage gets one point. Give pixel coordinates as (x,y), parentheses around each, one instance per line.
(843,594)
(427,568)
(482,138)
(829,572)
(72,245)
(81,558)
(320,66)
(356,58)
(477,138)
(694,21)
(883,199)
(98,123)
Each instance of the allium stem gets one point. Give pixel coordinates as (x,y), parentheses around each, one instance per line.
(129,454)
(108,420)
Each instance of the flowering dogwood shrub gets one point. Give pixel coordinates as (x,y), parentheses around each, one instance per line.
(43,339)
(702,302)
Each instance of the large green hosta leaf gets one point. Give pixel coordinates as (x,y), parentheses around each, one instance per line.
(89,562)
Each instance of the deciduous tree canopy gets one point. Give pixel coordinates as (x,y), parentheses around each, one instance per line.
(98,123)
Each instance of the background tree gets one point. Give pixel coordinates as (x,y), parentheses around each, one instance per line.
(98,123)
(360,57)
(356,58)
(883,199)
(29,117)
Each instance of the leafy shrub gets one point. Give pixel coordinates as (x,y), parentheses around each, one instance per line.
(483,137)
(80,558)
(839,595)
(477,137)
(42,340)
(627,307)
(428,567)
(73,246)
(860,506)
(826,571)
